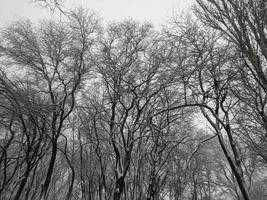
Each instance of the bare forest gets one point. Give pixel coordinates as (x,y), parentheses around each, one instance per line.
(126,111)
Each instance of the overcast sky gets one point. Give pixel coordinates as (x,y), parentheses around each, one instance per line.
(156,11)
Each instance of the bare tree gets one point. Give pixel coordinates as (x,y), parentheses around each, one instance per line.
(116,112)
(25,141)
(243,23)
(130,64)
(56,56)
(208,87)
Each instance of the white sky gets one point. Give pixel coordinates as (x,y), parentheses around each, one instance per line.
(156,11)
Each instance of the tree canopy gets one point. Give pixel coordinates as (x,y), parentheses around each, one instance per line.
(120,111)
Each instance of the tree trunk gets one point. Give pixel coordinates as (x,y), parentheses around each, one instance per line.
(119,188)
(236,171)
(46,184)
(22,184)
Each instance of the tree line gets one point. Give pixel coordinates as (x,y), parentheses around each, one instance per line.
(123,111)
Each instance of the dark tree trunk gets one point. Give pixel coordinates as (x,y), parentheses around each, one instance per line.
(119,188)
(46,184)
(22,184)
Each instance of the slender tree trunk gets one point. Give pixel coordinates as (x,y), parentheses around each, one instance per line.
(234,163)
(151,189)
(237,171)
(22,184)
(69,195)
(46,184)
